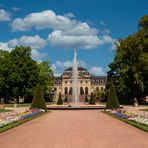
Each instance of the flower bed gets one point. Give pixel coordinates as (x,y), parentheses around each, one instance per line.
(7,118)
(139,117)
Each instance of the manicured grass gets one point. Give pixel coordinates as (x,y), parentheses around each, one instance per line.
(4,110)
(17,123)
(26,104)
(146,110)
(131,122)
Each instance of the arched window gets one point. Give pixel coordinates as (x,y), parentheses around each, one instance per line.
(66,90)
(70,91)
(86,90)
(81,91)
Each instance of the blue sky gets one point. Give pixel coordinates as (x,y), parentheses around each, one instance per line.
(53,28)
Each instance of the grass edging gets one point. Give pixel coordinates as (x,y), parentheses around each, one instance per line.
(17,123)
(131,122)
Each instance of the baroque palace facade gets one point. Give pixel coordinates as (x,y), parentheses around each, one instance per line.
(86,83)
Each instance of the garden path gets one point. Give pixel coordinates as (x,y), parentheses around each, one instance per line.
(74,129)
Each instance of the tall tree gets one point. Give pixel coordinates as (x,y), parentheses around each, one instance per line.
(129,70)
(46,77)
(23,75)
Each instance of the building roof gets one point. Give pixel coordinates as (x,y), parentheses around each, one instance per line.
(98,77)
(79,69)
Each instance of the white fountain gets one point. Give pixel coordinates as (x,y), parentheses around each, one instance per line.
(75,97)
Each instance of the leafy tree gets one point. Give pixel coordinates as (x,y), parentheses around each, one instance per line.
(20,74)
(112,100)
(129,68)
(46,78)
(23,72)
(92,100)
(38,99)
(60,101)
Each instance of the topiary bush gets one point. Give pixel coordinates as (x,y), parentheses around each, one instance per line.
(66,100)
(60,101)
(86,99)
(38,99)
(112,100)
(92,100)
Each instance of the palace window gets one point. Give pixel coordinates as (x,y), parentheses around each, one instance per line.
(81,91)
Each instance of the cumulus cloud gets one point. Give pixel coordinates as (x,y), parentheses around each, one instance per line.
(58,39)
(67,32)
(44,19)
(35,42)
(4,15)
(4,46)
(37,55)
(70,15)
(98,71)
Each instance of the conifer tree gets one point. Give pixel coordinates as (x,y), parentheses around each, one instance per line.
(65,100)
(38,99)
(112,101)
(60,101)
(86,99)
(92,99)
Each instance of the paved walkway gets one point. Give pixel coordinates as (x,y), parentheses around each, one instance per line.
(74,129)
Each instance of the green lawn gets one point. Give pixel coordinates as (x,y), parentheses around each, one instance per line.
(25,104)
(4,110)
(146,110)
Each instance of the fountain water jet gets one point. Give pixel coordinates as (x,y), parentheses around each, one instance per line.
(75,81)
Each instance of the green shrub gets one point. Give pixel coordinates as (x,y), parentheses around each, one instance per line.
(86,99)
(38,99)
(60,101)
(112,100)
(65,100)
(92,100)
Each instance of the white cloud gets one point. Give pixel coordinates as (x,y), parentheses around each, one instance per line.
(57,39)
(67,31)
(35,42)
(41,20)
(4,15)
(37,55)
(97,71)
(4,46)
(70,15)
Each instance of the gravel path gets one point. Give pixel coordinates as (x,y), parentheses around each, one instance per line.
(74,129)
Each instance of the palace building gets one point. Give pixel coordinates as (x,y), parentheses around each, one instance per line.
(86,83)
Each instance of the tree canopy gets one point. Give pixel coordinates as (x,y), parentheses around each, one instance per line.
(129,70)
(20,74)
